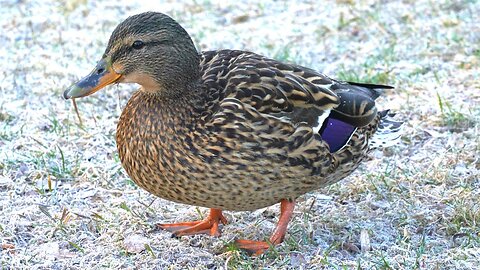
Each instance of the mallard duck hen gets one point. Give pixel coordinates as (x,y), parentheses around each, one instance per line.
(229,129)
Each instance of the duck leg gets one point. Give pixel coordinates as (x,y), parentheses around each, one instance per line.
(207,226)
(258,247)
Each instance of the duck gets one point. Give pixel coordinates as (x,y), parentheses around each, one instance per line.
(231,130)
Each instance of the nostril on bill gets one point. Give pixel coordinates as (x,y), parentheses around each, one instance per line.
(100,71)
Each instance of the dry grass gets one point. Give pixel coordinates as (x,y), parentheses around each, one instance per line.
(66,202)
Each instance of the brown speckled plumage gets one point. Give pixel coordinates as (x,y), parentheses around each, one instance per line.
(229,129)
(238,159)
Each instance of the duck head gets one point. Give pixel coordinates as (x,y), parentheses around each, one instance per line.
(150,49)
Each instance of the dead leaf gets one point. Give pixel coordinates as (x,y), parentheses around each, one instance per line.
(350,247)
(9,247)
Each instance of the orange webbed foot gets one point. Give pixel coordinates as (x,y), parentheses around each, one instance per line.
(257,248)
(252,247)
(207,226)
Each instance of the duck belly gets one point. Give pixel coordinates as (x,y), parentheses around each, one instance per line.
(248,183)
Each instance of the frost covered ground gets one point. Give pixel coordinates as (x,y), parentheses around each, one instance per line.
(66,203)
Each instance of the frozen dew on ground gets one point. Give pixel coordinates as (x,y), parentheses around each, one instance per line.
(66,203)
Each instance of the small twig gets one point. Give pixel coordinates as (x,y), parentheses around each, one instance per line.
(80,215)
(44,210)
(146,205)
(76,110)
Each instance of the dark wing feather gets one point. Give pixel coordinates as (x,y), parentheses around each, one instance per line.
(284,90)
(267,85)
(357,105)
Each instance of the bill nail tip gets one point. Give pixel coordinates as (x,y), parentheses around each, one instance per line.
(65,95)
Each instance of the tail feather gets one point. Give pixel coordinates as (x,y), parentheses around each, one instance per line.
(388,132)
(372,90)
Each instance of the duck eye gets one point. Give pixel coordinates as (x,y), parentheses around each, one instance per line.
(138,44)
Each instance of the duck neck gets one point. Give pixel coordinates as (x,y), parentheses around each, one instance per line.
(154,127)
(173,111)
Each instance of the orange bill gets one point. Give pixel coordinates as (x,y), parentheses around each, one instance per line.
(101,76)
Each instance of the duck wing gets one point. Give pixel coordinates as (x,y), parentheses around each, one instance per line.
(286,90)
(291,94)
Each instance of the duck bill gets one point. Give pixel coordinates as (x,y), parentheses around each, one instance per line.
(101,76)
